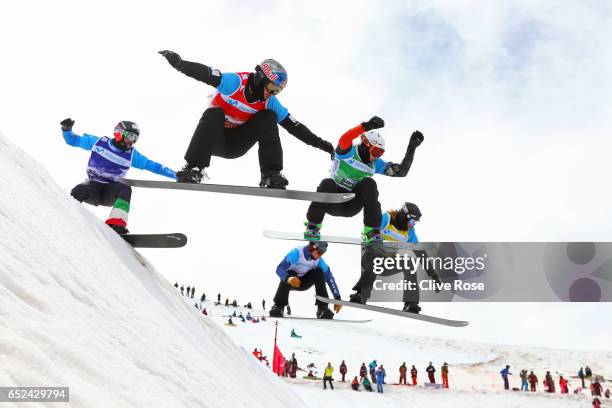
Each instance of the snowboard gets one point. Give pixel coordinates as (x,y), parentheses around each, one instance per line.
(322,320)
(244,190)
(296,236)
(395,312)
(175,240)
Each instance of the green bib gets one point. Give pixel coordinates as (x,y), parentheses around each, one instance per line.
(351,170)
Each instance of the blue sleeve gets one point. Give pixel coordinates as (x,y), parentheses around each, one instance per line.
(379,166)
(329,278)
(385,220)
(412,236)
(275,105)
(230,82)
(85,142)
(290,259)
(346,155)
(141,162)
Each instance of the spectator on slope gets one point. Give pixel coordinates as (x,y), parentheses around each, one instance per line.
(413,374)
(524,381)
(287,368)
(257,353)
(402,370)
(176,285)
(182,290)
(380,378)
(563,385)
(188,291)
(294,366)
(343,370)
(219,298)
(327,376)
(203,298)
(248,316)
(367,385)
(505,372)
(533,381)
(263,304)
(596,388)
(226,302)
(431,373)
(288,310)
(230,322)
(596,403)
(192,291)
(588,373)
(607,393)
(109,161)
(235,303)
(550,384)
(581,376)
(204,312)
(363,371)
(444,375)
(300,269)
(372,366)
(355,384)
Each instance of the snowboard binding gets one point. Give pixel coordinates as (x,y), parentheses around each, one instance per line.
(273,180)
(190,174)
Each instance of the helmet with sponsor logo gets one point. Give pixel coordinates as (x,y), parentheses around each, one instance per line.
(126,131)
(374,142)
(271,71)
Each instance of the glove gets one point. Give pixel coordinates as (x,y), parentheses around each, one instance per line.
(416,139)
(67,124)
(294,281)
(173,58)
(328,147)
(374,123)
(337,308)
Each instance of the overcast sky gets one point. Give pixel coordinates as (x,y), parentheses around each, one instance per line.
(513,98)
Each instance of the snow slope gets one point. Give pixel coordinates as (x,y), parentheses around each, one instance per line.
(79,309)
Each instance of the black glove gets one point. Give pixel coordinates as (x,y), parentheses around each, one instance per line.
(67,124)
(173,58)
(374,123)
(416,139)
(328,147)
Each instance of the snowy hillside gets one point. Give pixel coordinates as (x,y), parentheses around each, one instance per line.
(78,309)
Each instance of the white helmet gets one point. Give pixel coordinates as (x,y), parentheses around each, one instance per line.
(374,142)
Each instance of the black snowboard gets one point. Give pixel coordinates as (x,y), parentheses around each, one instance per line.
(175,240)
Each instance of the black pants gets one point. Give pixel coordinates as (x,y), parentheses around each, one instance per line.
(211,138)
(313,277)
(366,198)
(104,194)
(327,379)
(366,281)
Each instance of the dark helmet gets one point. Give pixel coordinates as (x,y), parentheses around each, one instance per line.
(412,211)
(321,246)
(272,71)
(126,130)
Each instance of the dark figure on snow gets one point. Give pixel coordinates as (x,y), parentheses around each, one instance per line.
(596,388)
(563,385)
(203,298)
(263,304)
(110,160)
(396,226)
(380,378)
(219,298)
(372,369)
(226,302)
(355,384)
(288,310)
(581,376)
(596,403)
(343,370)
(192,291)
(431,373)
(524,380)
(367,385)
(550,383)
(444,371)
(328,376)
(533,381)
(243,111)
(505,372)
(294,366)
(587,372)
(413,374)
(188,291)
(302,268)
(176,285)
(182,290)
(352,171)
(363,371)
(403,370)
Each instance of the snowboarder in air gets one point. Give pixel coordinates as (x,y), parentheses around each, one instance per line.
(110,159)
(302,268)
(352,170)
(243,110)
(397,226)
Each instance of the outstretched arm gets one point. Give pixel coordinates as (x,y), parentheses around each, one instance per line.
(85,142)
(301,132)
(194,70)
(141,162)
(401,169)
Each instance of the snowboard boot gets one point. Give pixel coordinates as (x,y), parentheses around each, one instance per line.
(357,298)
(323,312)
(189,174)
(411,307)
(277,311)
(273,179)
(119,229)
(313,231)
(371,235)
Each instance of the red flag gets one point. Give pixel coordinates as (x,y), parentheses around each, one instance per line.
(278,361)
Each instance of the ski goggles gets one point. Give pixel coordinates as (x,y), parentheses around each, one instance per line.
(272,88)
(412,222)
(127,136)
(375,151)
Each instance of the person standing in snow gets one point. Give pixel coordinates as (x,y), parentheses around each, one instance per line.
(263,304)
(550,384)
(327,376)
(203,298)
(343,370)
(380,378)
(524,382)
(505,372)
(372,366)
(588,373)
(244,111)
(596,388)
(355,384)
(294,366)
(110,160)
(431,373)
(533,381)
(444,375)
(581,376)
(300,269)
(192,291)
(182,290)
(363,371)
(563,385)
(413,374)
(219,298)
(402,370)
(176,285)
